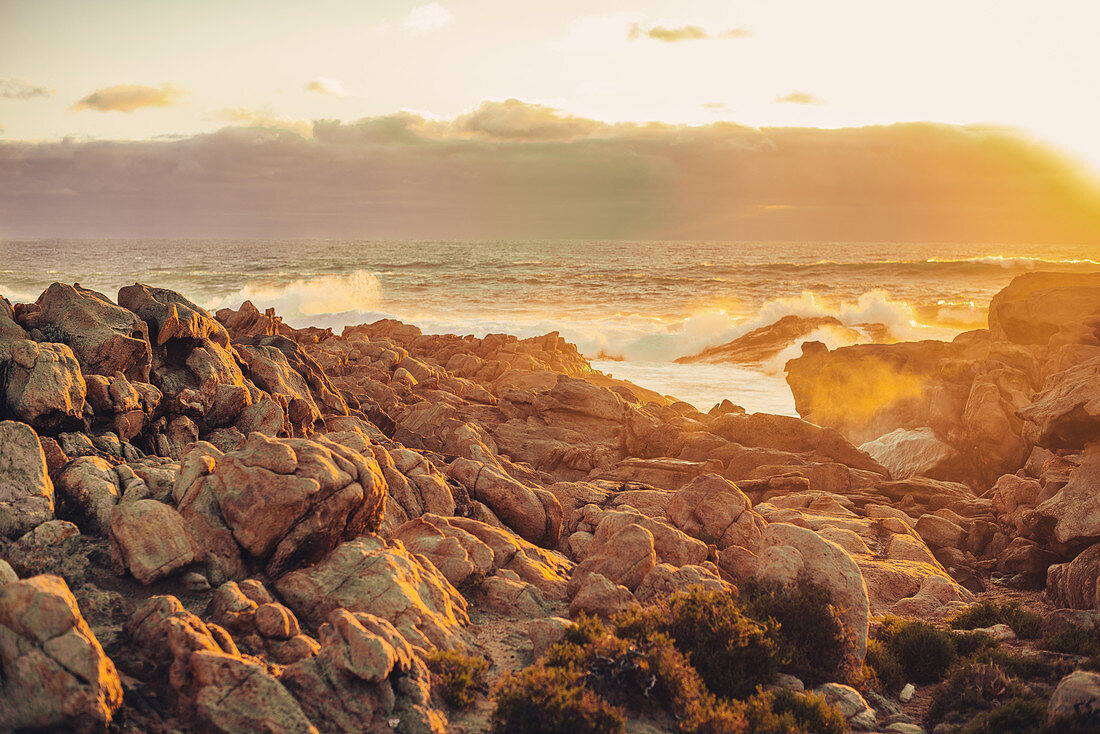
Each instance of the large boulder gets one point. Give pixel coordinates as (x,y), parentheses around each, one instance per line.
(1066,414)
(1035,306)
(915,452)
(365,676)
(87,492)
(44,385)
(1077,698)
(105,338)
(1076,584)
(1072,516)
(370,575)
(313,494)
(151,539)
(55,674)
(714,509)
(535,514)
(26,492)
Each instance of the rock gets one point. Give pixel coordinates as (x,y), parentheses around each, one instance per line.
(621,554)
(1076,584)
(940,532)
(87,491)
(664,580)
(50,548)
(518,506)
(999,632)
(511,597)
(26,492)
(1035,306)
(44,386)
(152,540)
(369,575)
(315,494)
(906,693)
(850,704)
(1060,620)
(1077,695)
(915,452)
(713,508)
(1066,413)
(236,696)
(459,555)
(600,597)
(232,609)
(104,337)
(276,622)
(1072,516)
(935,595)
(7,574)
(364,677)
(545,632)
(56,675)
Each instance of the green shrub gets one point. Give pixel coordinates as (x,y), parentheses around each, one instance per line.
(786,712)
(987,613)
(732,653)
(1075,641)
(971,689)
(972,643)
(548,700)
(924,652)
(1016,716)
(456,676)
(811,638)
(1026,667)
(887,669)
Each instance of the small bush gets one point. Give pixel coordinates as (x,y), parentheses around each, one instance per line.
(986,614)
(547,700)
(972,643)
(1075,641)
(1016,716)
(456,676)
(811,638)
(971,689)
(924,652)
(786,712)
(887,669)
(732,653)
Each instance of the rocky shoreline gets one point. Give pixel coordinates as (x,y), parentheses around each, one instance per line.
(221,523)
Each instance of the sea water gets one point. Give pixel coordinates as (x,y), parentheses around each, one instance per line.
(631,307)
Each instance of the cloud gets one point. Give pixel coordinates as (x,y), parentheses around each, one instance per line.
(799,98)
(674,34)
(513,170)
(331,87)
(265,118)
(22,89)
(426,18)
(130,97)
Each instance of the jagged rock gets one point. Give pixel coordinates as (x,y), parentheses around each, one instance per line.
(369,575)
(713,508)
(26,492)
(152,540)
(50,548)
(504,593)
(55,674)
(104,337)
(459,555)
(364,676)
(1066,414)
(1076,584)
(314,494)
(237,696)
(1077,697)
(87,491)
(1072,516)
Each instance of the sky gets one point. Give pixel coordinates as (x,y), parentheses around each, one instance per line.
(642,119)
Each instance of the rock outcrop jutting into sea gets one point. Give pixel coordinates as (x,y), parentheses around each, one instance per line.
(220,523)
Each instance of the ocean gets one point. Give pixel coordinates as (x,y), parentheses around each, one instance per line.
(631,307)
